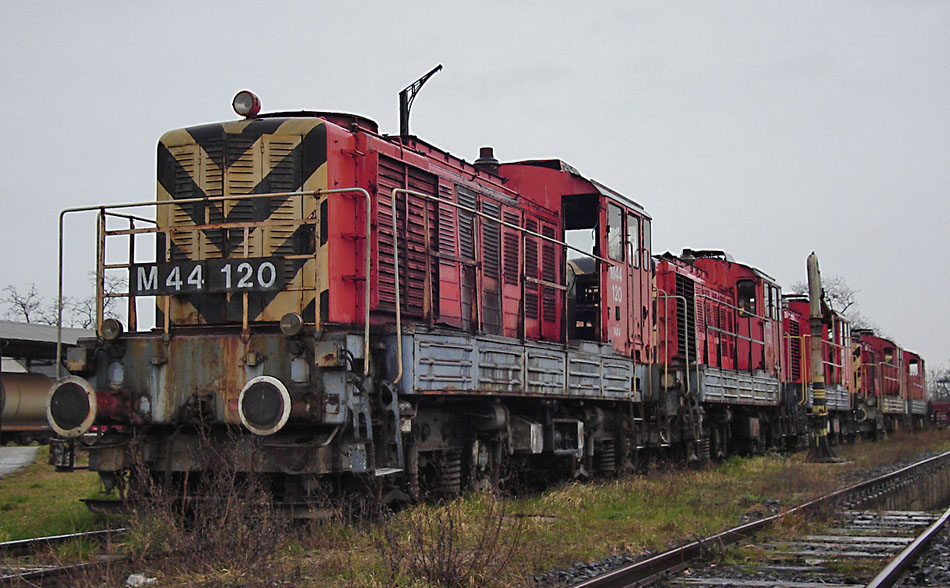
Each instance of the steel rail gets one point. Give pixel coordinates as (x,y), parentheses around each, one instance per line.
(647,570)
(898,566)
(27,545)
(54,572)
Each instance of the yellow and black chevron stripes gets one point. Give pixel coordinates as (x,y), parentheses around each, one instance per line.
(244,157)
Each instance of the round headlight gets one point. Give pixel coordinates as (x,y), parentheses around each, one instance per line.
(264,405)
(291,324)
(71,406)
(245,103)
(111,329)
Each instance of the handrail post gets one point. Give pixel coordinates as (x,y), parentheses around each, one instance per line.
(109,210)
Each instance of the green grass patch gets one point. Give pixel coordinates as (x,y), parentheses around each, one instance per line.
(38,501)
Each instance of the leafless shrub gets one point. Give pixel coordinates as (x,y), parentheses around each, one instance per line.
(462,543)
(215,517)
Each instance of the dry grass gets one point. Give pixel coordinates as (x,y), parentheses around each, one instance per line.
(478,542)
(226,529)
(463,543)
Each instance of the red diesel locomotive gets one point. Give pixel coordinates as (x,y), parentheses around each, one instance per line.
(335,303)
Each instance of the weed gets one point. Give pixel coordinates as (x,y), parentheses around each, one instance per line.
(450,547)
(222,519)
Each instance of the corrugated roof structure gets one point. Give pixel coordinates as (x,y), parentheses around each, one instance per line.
(35,341)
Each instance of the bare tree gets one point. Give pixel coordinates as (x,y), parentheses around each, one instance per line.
(938,383)
(839,295)
(842,298)
(24,306)
(31,307)
(82,312)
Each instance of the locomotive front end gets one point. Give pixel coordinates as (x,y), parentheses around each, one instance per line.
(238,285)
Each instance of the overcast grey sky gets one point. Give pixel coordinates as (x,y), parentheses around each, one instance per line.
(769,129)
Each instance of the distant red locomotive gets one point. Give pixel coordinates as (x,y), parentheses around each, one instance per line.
(847,415)
(889,381)
(720,333)
(337,304)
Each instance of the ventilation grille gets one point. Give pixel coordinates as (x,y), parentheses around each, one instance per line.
(411,212)
(512,250)
(686,317)
(795,350)
(531,269)
(549,274)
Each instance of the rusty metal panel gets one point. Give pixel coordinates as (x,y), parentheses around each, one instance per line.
(583,374)
(500,367)
(718,385)
(328,353)
(545,370)
(443,363)
(617,374)
(211,366)
(836,397)
(894,405)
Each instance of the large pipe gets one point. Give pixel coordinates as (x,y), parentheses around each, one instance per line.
(23,398)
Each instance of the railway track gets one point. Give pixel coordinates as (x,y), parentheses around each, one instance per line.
(859,534)
(31,562)
(847,556)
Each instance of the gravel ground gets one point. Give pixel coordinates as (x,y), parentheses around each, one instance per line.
(581,571)
(933,569)
(856,476)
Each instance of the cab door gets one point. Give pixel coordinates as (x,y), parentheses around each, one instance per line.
(615,278)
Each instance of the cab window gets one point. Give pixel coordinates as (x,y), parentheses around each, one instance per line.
(633,239)
(615,232)
(647,246)
(889,355)
(745,296)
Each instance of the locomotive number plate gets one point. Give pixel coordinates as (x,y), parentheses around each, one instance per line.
(262,274)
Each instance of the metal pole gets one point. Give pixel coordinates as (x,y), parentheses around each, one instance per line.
(821,450)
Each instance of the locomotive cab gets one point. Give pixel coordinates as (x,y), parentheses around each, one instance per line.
(611,279)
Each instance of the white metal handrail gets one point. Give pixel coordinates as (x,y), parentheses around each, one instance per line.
(108,210)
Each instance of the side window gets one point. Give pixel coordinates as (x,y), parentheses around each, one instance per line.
(614,232)
(633,239)
(745,296)
(914,368)
(647,244)
(775,303)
